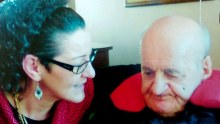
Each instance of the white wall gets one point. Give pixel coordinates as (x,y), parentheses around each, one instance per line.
(110,22)
(71,3)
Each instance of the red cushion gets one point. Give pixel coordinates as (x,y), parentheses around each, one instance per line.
(208,93)
(127,96)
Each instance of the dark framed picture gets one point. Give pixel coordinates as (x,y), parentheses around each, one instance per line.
(134,3)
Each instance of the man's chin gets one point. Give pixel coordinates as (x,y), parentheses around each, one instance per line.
(165,110)
(171,114)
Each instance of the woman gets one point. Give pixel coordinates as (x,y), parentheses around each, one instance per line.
(45,63)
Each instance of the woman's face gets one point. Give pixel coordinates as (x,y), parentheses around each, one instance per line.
(59,83)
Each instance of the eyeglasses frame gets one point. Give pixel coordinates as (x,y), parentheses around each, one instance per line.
(71,67)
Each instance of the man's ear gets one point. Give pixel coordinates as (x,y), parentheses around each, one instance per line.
(30,65)
(207,67)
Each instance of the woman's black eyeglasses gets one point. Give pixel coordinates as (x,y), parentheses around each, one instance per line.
(76,69)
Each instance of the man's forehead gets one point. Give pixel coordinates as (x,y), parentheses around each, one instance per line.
(168,63)
(167,49)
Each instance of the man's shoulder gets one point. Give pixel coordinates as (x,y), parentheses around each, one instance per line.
(200,114)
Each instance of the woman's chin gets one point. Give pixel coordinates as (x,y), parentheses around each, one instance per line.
(79,98)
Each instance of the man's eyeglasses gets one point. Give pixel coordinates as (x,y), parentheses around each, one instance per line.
(76,69)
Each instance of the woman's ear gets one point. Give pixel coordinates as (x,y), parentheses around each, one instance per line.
(30,65)
(207,67)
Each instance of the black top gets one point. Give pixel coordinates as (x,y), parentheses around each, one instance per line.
(191,115)
(30,121)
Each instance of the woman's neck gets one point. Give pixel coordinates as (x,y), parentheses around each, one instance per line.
(33,108)
(30,106)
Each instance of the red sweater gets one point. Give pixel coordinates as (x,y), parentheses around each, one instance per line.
(65,112)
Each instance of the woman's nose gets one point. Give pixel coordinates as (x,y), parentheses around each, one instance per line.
(89,71)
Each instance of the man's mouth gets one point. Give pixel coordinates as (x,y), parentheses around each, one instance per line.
(161,97)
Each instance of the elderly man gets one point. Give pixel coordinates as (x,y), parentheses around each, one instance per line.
(175,61)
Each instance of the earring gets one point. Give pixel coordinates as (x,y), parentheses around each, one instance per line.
(38,92)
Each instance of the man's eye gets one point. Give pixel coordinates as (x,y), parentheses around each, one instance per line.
(149,73)
(171,75)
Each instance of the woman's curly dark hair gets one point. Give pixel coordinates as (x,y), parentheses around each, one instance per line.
(26,27)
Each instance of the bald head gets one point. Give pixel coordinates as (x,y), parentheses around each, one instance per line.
(174,62)
(178,33)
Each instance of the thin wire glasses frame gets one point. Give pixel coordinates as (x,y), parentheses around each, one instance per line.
(76,69)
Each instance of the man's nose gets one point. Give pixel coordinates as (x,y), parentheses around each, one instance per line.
(159,84)
(89,71)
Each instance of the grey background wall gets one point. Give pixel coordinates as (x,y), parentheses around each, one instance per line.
(110,22)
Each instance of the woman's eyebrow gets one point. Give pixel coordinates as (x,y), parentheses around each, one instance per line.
(78,57)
